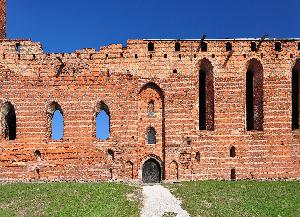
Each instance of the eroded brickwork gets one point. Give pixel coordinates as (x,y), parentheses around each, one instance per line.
(216,109)
(126,79)
(2,19)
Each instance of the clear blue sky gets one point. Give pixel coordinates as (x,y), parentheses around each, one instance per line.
(67,25)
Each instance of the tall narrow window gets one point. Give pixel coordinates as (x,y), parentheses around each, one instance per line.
(103,122)
(177,46)
(295,96)
(202,100)
(9,121)
(206,96)
(249,101)
(56,121)
(151,108)
(151,135)
(254,96)
(299,46)
(57,125)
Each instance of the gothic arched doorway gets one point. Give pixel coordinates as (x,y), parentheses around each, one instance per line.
(151,172)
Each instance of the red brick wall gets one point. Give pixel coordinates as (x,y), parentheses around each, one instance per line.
(2,19)
(114,75)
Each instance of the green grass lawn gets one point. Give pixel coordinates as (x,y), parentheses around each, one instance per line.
(69,199)
(240,198)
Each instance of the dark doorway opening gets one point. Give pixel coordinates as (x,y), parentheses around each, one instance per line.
(151,172)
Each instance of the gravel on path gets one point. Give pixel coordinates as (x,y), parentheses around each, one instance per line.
(159,201)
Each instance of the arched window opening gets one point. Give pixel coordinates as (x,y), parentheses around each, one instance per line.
(56,121)
(253,46)
(206,96)
(37,155)
(295,96)
(277,46)
(228,46)
(110,154)
(151,108)
(233,174)
(232,152)
(102,122)
(57,125)
(150,46)
(203,46)
(9,121)
(254,96)
(151,135)
(197,157)
(177,46)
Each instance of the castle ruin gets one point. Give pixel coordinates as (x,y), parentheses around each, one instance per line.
(179,110)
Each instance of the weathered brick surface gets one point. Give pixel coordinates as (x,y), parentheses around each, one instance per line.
(127,80)
(126,84)
(2,19)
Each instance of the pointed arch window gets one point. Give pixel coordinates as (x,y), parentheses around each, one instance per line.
(102,122)
(254,96)
(56,121)
(206,96)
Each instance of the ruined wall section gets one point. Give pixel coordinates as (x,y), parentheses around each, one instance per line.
(31,80)
(2,19)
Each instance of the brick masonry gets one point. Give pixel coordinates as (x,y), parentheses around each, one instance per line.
(2,19)
(126,79)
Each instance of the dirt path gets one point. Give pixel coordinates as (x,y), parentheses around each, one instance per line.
(159,201)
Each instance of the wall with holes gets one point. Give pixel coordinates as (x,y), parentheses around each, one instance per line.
(151,85)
